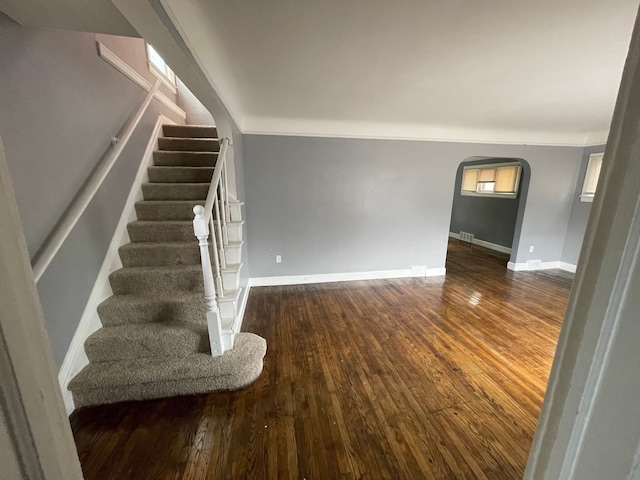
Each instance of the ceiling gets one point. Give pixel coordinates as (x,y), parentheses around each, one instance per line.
(540,72)
(544,72)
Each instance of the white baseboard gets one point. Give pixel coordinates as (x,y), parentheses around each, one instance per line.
(76,359)
(537,265)
(342,277)
(568,267)
(485,244)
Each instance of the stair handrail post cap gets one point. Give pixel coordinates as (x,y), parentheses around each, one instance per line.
(200,224)
(198,210)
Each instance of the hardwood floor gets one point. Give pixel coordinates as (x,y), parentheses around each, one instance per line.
(435,378)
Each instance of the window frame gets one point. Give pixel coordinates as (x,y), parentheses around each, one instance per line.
(167,78)
(490,166)
(584,195)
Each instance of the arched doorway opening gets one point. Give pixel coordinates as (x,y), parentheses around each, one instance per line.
(489,200)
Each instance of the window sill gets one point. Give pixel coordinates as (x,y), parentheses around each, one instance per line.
(490,195)
(163,78)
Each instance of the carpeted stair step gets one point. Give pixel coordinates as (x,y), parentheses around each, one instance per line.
(150,254)
(180,174)
(189,144)
(162,279)
(140,308)
(184,159)
(147,340)
(148,378)
(161,231)
(166,209)
(189,131)
(175,191)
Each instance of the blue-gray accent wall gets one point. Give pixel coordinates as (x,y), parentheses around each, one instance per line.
(336,205)
(580,212)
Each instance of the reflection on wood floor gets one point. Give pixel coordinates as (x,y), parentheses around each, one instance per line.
(435,378)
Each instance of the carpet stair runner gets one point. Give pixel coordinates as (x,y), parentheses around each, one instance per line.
(154,341)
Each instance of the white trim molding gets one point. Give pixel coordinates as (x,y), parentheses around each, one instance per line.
(244,297)
(343,277)
(567,267)
(166,82)
(228,337)
(483,243)
(124,68)
(76,359)
(256,125)
(533,265)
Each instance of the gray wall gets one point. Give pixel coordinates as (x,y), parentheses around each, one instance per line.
(580,212)
(197,114)
(238,160)
(490,219)
(59,107)
(331,205)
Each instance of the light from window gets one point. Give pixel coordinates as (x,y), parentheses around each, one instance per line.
(486,187)
(591,178)
(470,180)
(157,63)
(497,180)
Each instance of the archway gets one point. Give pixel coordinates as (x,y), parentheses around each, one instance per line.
(489,201)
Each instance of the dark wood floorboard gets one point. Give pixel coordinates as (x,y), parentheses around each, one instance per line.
(435,378)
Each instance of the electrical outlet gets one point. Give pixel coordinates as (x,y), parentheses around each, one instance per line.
(278,258)
(531,249)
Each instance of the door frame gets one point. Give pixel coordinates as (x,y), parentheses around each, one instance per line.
(31,406)
(589,427)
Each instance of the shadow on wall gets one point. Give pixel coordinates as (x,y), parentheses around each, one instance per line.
(494,220)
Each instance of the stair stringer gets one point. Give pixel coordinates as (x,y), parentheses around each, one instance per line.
(76,359)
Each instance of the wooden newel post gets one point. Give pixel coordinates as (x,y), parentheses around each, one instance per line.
(201,229)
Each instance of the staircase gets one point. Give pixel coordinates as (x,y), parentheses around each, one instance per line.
(154,340)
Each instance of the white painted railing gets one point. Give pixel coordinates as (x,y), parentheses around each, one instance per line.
(212,217)
(63,228)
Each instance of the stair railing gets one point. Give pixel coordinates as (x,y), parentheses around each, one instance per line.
(79,204)
(212,218)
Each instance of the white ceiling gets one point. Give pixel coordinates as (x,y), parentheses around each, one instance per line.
(537,72)
(541,72)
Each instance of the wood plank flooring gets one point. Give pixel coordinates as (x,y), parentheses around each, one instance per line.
(434,378)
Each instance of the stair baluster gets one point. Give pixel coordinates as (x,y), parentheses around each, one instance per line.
(201,229)
(218,264)
(216,259)
(218,230)
(223,210)
(225,181)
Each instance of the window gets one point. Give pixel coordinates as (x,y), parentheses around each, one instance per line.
(160,69)
(591,178)
(496,180)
